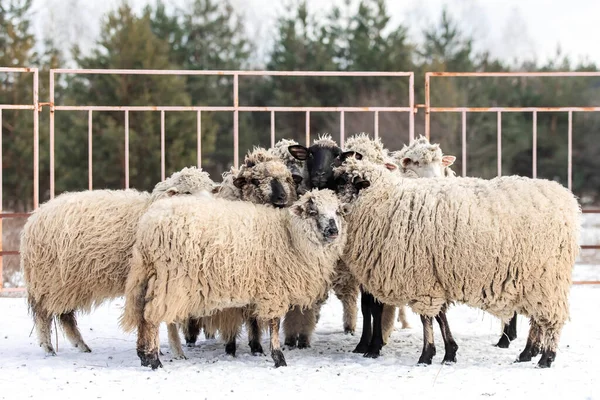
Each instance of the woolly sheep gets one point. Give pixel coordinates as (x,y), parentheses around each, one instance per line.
(284,258)
(456,240)
(74,250)
(318,158)
(262,179)
(425,159)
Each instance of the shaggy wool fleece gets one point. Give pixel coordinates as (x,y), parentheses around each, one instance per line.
(75,247)
(502,245)
(193,257)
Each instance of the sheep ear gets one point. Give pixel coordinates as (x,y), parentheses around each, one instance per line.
(239,182)
(360,183)
(345,155)
(405,162)
(345,209)
(448,160)
(297,210)
(390,166)
(298,151)
(172,191)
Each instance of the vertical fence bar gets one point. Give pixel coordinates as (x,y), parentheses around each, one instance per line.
(236,116)
(36,140)
(499,130)
(90,150)
(272,128)
(51,139)
(427,106)
(126,149)
(534,145)
(464,143)
(307,131)
(199,138)
(570,152)
(162,145)
(376,123)
(342,118)
(1,183)
(411,103)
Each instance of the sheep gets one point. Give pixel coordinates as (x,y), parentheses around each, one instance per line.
(425,160)
(318,158)
(284,258)
(456,240)
(74,250)
(262,179)
(296,167)
(419,159)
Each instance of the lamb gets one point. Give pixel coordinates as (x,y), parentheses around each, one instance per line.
(318,158)
(74,250)
(284,258)
(262,179)
(455,240)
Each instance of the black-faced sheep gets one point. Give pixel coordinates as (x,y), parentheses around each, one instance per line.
(432,242)
(284,257)
(75,250)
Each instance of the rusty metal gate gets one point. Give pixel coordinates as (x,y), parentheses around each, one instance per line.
(235,109)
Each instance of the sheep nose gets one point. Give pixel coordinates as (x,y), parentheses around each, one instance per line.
(331,230)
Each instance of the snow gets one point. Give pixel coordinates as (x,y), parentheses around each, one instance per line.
(327,370)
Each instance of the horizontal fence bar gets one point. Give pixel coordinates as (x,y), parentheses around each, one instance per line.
(14,215)
(16,107)
(513,109)
(515,74)
(590,247)
(227,72)
(17,69)
(9,253)
(586,283)
(231,108)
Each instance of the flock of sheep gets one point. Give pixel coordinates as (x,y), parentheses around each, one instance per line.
(291,224)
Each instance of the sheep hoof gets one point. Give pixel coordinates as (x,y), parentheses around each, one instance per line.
(372,354)
(83,348)
(230,349)
(291,342)
(209,336)
(180,357)
(348,330)
(504,342)
(256,348)
(525,356)
(278,358)
(49,351)
(427,355)
(361,348)
(547,359)
(190,344)
(303,342)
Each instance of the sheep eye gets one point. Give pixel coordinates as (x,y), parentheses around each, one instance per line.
(416,163)
(188,192)
(255,182)
(297,179)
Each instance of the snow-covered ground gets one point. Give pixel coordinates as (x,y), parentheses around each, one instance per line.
(327,370)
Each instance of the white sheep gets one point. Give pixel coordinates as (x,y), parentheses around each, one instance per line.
(75,249)
(263,178)
(190,259)
(502,245)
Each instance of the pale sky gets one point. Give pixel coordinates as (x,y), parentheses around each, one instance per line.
(526,29)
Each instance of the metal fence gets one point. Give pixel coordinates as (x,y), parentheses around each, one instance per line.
(235,109)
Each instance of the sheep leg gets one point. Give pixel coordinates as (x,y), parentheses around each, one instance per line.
(191,330)
(175,342)
(254,337)
(550,343)
(509,333)
(428,343)
(376,344)
(350,309)
(365,308)
(402,318)
(148,344)
(291,324)
(387,321)
(276,352)
(449,343)
(42,320)
(69,325)
(533,340)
